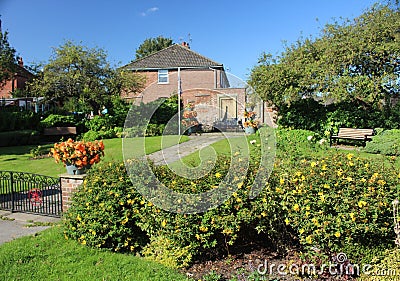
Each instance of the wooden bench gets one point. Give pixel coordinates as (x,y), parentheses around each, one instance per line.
(363,135)
(59,131)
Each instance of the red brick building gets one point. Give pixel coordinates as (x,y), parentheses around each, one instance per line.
(202,81)
(17,82)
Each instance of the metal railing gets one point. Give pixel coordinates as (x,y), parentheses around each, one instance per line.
(30,193)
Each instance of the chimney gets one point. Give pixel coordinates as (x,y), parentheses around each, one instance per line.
(20,62)
(185,44)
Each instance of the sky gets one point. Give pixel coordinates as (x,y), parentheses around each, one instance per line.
(234,33)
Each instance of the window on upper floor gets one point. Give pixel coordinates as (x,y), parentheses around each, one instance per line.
(163,76)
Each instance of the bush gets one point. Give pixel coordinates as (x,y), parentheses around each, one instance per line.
(22,137)
(103,213)
(56,120)
(100,123)
(325,200)
(386,143)
(12,119)
(330,202)
(386,269)
(99,135)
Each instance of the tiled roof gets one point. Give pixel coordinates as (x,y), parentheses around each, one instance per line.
(172,57)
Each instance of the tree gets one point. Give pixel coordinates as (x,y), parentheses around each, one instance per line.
(352,60)
(7,59)
(82,78)
(152,45)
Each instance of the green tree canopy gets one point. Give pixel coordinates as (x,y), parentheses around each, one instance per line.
(351,60)
(78,75)
(7,58)
(152,45)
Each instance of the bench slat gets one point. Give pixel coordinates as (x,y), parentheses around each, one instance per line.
(56,131)
(354,134)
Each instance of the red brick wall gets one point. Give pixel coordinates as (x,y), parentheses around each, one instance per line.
(7,88)
(69,184)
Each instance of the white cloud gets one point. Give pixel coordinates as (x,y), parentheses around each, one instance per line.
(151,10)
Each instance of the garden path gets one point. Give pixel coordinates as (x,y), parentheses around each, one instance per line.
(176,152)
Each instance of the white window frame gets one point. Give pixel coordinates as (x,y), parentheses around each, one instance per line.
(163,75)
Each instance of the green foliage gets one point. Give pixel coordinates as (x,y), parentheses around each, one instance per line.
(7,58)
(386,143)
(19,137)
(167,252)
(100,123)
(314,198)
(351,60)
(102,215)
(99,135)
(56,120)
(312,115)
(16,119)
(152,45)
(79,77)
(330,202)
(386,269)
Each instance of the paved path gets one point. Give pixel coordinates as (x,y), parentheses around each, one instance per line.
(15,225)
(174,153)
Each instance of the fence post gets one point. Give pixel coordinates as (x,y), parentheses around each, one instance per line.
(69,184)
(12,191)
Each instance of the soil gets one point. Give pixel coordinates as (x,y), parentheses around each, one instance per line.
(256,263)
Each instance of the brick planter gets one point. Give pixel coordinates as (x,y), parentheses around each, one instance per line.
(69,184)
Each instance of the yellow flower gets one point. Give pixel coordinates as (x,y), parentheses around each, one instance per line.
(218,175)
(309,239)
(381,182)
(203,228)
(287,221)
(361,203)
(351,163)
(353,217)
(281,181)
(324,168)
(349,179)
(301,231)
(337,234)
(163,223)
(326,186)
(124,221)
(240,185)
(313,164)
(350,156)
(296,207)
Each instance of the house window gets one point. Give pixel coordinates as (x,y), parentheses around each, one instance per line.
(163,76)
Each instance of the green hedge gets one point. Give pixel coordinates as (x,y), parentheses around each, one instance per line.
(387,143)
(22,137)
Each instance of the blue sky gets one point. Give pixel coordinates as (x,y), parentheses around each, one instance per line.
(234,33)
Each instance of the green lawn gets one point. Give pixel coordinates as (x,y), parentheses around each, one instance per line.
(18,158)
(49,256)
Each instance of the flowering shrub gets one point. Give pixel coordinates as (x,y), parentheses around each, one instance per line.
(78,153)
(316,199)
(328,203)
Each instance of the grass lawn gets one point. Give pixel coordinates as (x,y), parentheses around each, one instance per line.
(49,256)
(18,158)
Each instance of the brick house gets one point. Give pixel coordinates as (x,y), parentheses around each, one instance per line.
(203,82)
(17,82)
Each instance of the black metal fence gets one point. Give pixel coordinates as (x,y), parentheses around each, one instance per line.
(30,193)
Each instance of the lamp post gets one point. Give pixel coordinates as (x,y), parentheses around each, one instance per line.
(179,100)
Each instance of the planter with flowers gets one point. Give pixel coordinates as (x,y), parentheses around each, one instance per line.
(77,156)
(250,125)
(189,120)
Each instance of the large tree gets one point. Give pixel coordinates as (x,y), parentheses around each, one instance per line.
(152,45)
(351,60)
(7,58)
(78,75)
